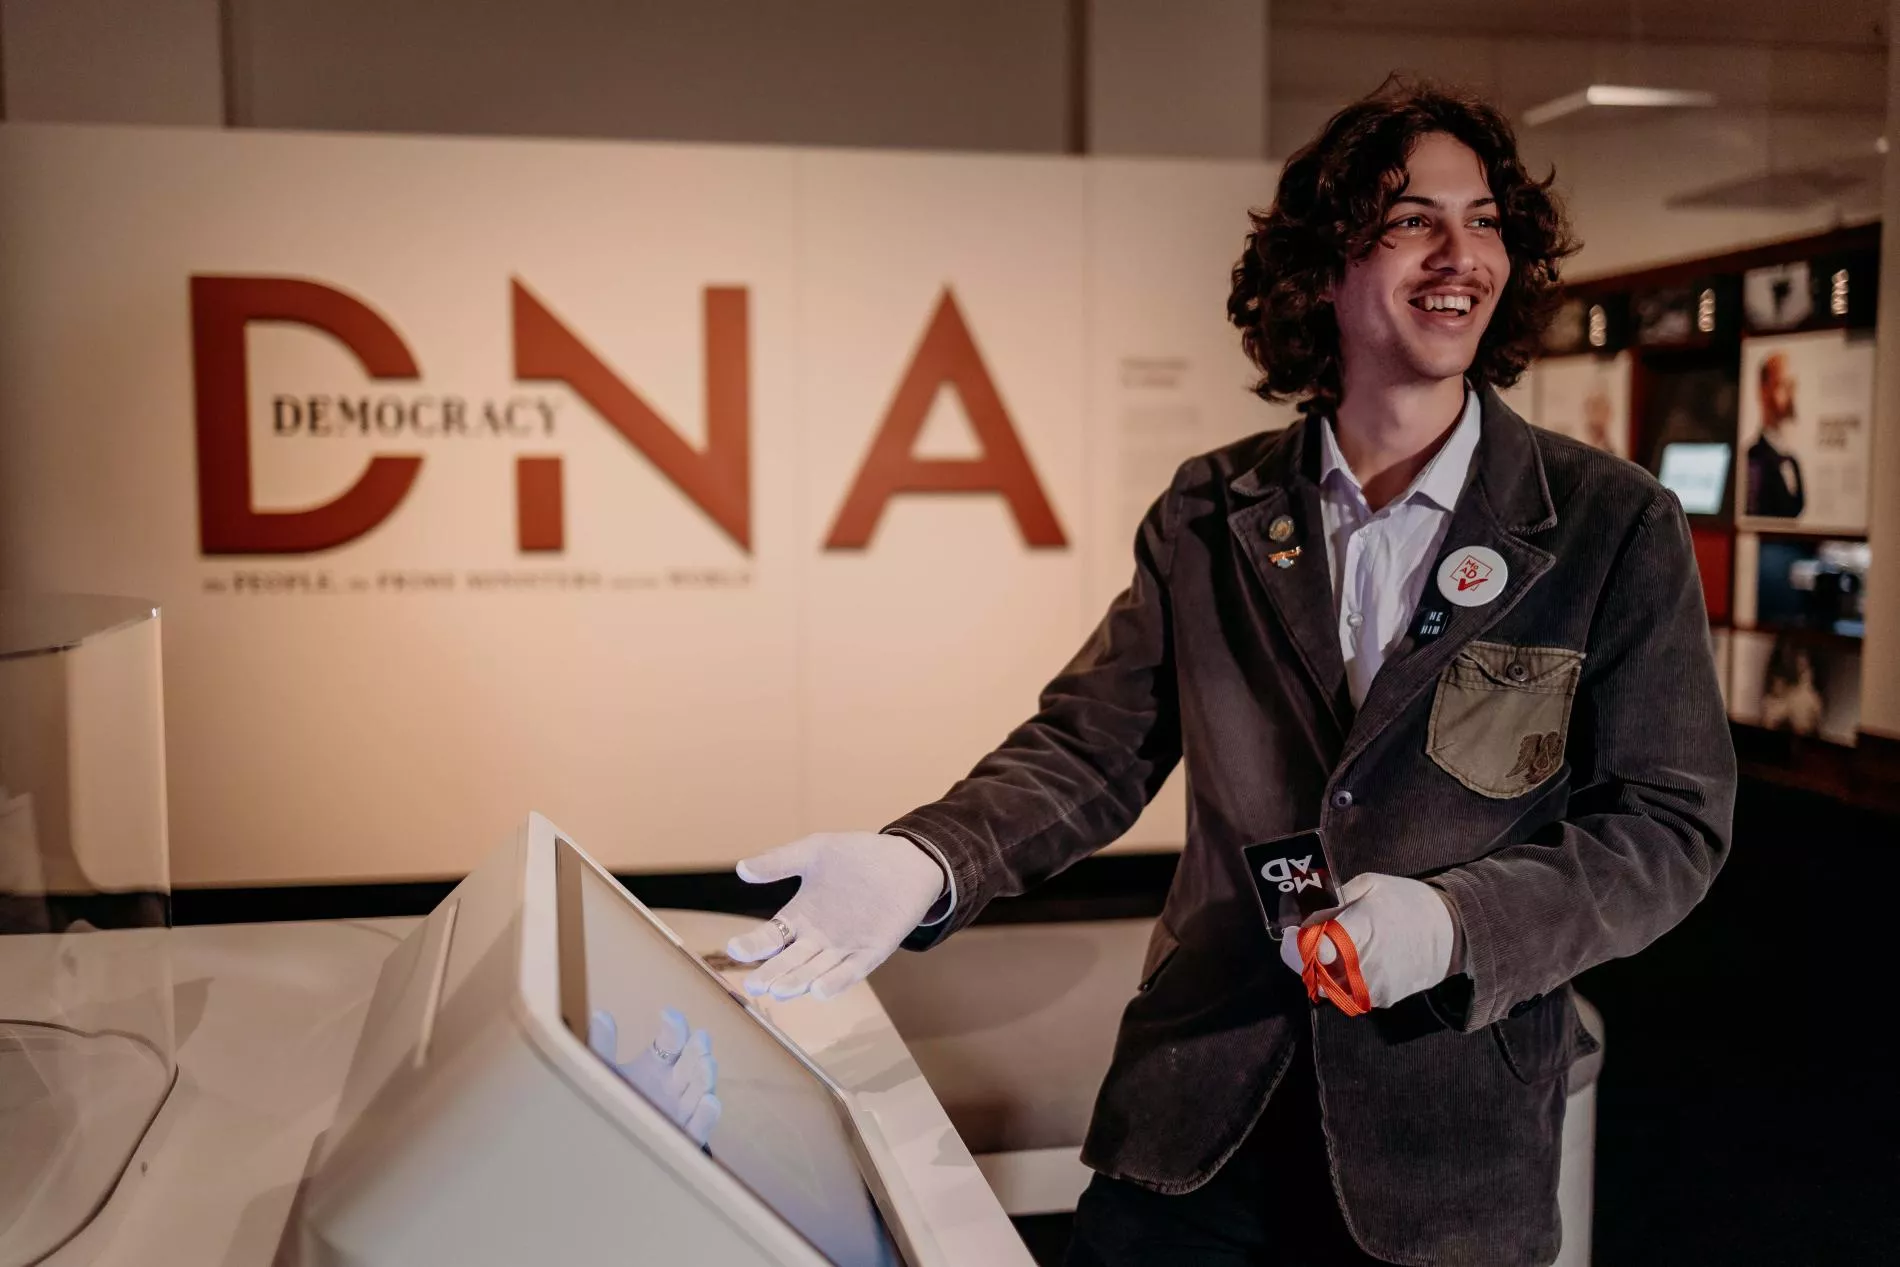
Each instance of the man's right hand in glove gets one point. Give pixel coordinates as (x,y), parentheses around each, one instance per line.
(860,894)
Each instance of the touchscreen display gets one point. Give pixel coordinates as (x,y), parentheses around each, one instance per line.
(638,1001)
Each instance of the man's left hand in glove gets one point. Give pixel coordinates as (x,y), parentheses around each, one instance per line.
(1403,930)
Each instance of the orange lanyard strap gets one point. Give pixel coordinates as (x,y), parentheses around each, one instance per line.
(1347,991)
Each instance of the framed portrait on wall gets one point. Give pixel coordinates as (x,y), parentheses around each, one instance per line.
(1779,297)
(1586,398)
(1806,686)
(1806,414)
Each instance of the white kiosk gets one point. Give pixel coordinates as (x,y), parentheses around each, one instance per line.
(477,1125)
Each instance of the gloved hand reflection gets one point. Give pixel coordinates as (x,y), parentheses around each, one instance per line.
(676,1072)
(1402,929)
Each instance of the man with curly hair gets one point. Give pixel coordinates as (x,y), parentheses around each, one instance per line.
(1470,654)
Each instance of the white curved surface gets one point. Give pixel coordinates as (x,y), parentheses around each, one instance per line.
(268,1017)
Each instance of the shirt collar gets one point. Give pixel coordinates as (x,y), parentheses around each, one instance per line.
(1443,477)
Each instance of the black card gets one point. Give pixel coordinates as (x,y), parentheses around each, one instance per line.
(1293,878)
(1431,620)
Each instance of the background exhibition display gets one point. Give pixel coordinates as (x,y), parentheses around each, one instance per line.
(1586,398)
(1759,414)
(1806,430)
(727,457)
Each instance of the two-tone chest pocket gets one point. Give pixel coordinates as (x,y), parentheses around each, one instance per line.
(1500,716)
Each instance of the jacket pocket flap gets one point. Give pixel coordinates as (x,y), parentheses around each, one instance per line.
(1538,1038)
(1548,670)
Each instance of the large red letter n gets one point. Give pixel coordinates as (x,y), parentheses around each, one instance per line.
(718,478)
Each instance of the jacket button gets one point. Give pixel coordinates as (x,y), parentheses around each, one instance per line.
(1342,799)
(1516,671)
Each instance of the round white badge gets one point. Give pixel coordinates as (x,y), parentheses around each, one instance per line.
(1472,576)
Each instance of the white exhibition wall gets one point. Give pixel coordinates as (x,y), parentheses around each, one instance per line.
(705,666)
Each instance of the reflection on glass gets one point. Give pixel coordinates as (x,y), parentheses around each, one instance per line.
(696,1052)
(86,1037)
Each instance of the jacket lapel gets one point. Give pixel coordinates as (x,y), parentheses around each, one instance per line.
(1504,497)
(1300,588)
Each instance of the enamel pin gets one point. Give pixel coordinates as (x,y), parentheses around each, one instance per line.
(1280,529)
(1472,576)
(1284,558)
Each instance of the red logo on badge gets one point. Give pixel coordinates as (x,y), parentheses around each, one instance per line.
(1471,572)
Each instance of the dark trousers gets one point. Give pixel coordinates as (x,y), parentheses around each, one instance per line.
(1270,1205)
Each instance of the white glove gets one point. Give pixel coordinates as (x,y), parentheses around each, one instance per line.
(860,895)
(1402,930)
(676,1072)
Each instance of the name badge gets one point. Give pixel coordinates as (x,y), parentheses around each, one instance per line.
(1472,576)
(1293,880)
(1430,621)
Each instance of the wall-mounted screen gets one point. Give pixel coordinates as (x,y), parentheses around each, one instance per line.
(1697,473)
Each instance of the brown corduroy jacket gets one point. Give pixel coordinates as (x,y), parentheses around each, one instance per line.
(1557,762)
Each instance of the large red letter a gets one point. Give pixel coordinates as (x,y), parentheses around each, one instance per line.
(947,355)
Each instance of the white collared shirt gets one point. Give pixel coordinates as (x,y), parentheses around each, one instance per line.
(1382,560)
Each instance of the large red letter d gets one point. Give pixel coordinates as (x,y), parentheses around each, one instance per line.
(227,521)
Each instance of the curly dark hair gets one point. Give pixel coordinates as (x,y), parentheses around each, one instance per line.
(1331,207)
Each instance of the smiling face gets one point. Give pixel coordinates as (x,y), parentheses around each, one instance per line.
(1412,311)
